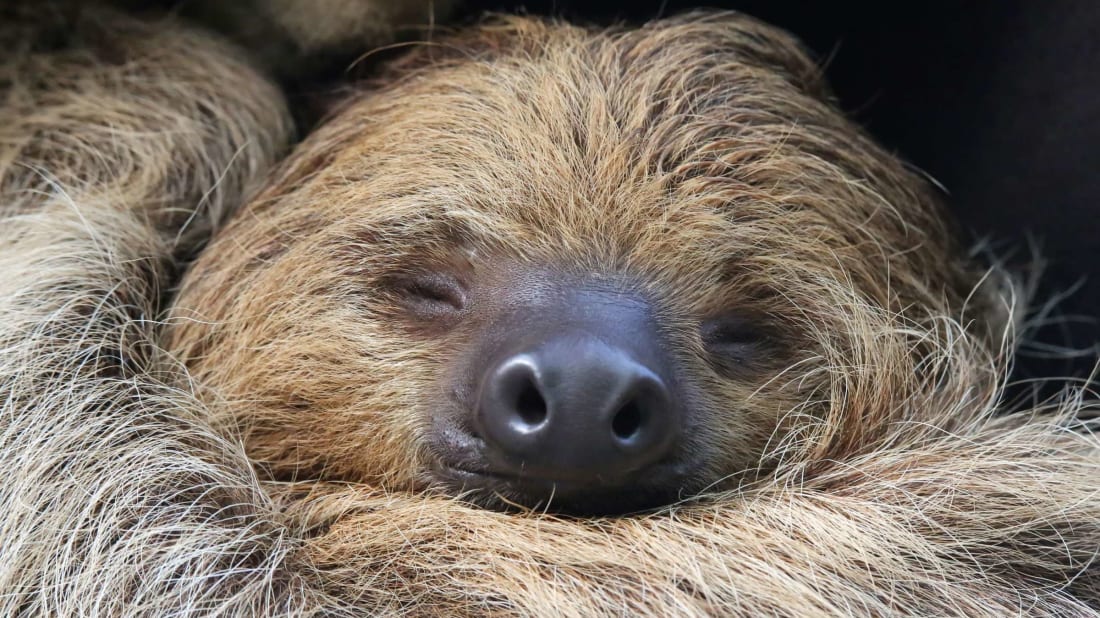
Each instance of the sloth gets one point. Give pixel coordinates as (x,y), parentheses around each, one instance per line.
(624,321)
(588,272)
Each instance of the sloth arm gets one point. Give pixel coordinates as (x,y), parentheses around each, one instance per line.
(953,527)
(116,154)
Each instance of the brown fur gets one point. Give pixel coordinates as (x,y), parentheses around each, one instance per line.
(696,157)
(292,38)
(722,177)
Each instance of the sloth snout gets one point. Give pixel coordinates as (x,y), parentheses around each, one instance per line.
(577,409)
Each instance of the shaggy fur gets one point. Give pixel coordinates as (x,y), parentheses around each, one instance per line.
(696,159)
(292,38)
(896,492)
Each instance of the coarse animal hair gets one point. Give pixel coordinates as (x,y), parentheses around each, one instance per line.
(698,159)
(126,495)
(293,38)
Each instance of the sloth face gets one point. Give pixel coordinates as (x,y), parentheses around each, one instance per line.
(590,271)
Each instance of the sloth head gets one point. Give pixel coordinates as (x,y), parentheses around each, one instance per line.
(590,270)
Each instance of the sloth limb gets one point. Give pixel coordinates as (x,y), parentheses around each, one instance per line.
(121,155)
(118,501)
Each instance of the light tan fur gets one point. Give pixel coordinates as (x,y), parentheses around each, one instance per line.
(716,173)
(294,37)
(696,157)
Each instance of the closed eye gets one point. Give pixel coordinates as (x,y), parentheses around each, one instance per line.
(736,342)
(431,295)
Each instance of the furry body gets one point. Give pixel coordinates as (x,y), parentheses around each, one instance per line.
(129,493)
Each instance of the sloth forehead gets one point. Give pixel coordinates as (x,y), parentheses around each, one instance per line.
(553,196)
(587,159)
(701,164)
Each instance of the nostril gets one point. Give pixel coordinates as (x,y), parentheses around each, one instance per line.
(530,408)
(576,411)
(627,422)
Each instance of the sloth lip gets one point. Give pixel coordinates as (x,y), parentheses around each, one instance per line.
(467,463)
(458,466)
(650,475)
(464,458)
(462,473)
(495,489)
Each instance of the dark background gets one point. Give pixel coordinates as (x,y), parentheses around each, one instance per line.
(997,100)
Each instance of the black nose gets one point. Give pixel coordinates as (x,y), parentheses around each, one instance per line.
(578,410)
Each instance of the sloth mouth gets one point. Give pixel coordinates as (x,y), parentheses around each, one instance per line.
(491,489)
(461,465)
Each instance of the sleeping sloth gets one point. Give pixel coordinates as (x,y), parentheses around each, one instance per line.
(529,275)
(580,270)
